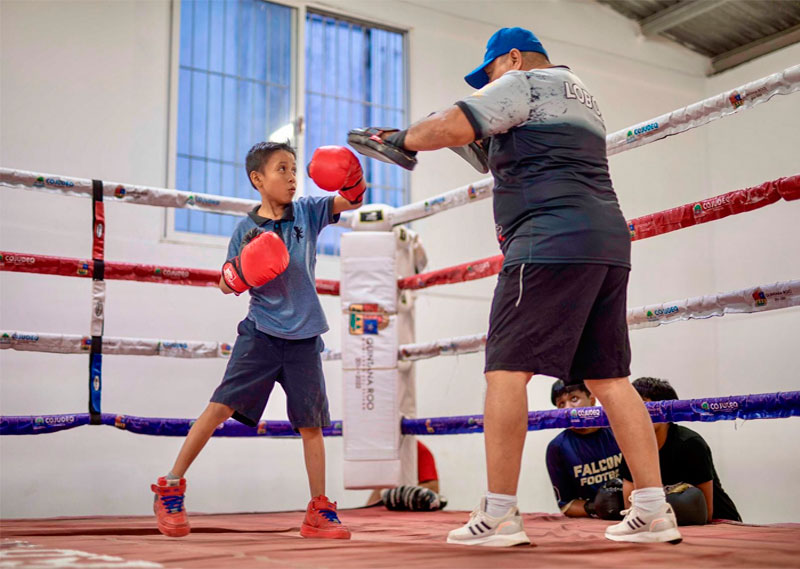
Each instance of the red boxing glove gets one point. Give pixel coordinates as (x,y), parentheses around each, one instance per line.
(261,260)
(336,169)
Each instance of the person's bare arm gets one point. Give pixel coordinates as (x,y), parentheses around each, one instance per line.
(223,287)
(576,509)
(340,204)
(444,129)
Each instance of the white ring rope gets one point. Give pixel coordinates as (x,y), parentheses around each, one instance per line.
(77,344)
(762,298)
(785,294)
(724,104)
(698,114)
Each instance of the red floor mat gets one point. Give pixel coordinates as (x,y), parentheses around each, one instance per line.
(380,539)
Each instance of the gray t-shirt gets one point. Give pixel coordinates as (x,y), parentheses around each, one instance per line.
(553,197)
(288,306)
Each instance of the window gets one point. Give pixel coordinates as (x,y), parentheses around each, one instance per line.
(235,89)
(355,76)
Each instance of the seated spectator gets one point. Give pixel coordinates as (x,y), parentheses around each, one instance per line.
(684,456)
(583,462)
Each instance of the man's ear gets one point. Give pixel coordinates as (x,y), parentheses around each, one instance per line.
(516,58)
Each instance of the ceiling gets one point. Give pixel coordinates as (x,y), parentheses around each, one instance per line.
(729,32)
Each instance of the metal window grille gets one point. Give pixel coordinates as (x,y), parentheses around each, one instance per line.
(355,76)
(234,90)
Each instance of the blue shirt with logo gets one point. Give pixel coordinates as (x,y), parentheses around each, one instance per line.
(579,465)
(288,306)
(553,197)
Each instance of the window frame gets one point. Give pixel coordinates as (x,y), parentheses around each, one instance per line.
(297,105)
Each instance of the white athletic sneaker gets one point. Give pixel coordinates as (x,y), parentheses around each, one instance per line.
(638,527)
(483,529)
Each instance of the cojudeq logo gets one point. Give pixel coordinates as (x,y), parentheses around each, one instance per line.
(11,259)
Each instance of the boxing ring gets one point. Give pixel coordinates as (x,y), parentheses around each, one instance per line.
(412,539)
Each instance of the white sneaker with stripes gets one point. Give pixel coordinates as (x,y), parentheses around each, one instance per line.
(638,527)
(483,529)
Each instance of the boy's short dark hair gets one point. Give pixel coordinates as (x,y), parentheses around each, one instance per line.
(655,389)
(560,389)
(259,154)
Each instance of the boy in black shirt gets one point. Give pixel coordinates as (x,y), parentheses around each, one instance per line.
(684,456)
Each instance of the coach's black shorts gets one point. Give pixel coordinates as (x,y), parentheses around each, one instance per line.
(563,320)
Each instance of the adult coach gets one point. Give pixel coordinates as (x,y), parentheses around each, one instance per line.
(560,301)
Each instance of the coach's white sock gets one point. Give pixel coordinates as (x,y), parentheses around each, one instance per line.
(649,500)
(497,505)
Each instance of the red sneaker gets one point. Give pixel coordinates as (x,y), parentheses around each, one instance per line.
(321,520)
(168,507)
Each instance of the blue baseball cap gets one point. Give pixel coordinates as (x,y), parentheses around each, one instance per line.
(503,41)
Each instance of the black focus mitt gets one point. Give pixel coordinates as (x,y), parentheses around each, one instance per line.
(607,504)
(475,154)
(413,499)
(371,142)
(689,504)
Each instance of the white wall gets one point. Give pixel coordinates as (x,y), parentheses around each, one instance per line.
(85,92)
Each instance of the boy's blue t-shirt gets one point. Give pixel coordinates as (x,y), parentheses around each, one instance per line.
(288,306)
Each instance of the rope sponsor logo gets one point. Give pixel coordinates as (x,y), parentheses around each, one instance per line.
(472,193)
(761,298)
(200,200)
(261,428)
(5,338)
(83,269)
(121,192)
(173,345)
(171,273)
(584,413)
(53,421)
(17,259)
(21,338)
(429,427)
(479,268)
(119,421)
(429,205)
(661,312)
(711,204)
(635,133)
(86,343)
(632,229)
(42,182)
(225,349)
(736,99)
(722,406)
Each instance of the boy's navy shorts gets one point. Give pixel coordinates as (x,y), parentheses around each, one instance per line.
(258,361)
(563,320)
